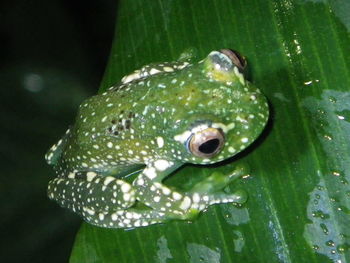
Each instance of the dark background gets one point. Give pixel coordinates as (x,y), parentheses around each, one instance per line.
(52,56)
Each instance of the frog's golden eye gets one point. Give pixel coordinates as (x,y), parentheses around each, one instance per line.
(235,57)
(206,143)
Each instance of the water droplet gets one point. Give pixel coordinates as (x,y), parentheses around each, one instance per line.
(330,243)
(343,248)
(343,236)
(320,214)
(324,229)
(343,180)
(332,99)
(333,199)
(320,187)
(321,111)
(315,247)
(344,209)
(335,173)
(317,196)
(343,115)
(329,138)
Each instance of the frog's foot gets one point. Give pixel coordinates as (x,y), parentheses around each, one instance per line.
(184,206)
(84,191)
(187,205)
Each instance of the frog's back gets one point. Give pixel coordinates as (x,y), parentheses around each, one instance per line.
(107,134)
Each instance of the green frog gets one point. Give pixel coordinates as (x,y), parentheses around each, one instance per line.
(155,120)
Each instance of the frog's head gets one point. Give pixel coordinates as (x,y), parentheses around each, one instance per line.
(226,113)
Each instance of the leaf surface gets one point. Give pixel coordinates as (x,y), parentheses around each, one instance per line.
(299,196)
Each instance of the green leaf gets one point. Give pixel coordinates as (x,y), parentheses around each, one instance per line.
(299,195)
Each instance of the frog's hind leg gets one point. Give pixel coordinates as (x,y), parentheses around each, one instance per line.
(83,192)
(55,151)
(101,200)
(184,205)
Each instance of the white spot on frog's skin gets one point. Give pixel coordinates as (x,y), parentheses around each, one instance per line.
(90,176)
(231,150)
(127,197)
(166,190)
(140,181)
(104,119)
(89,211)
(125,188)
(182,137)
(168,69)
(109,145)
(156,198)
(199,128)
(108,180)
(101,216)
(131,77)
(114,216)
(223,127)
(160,142)
(162,165)
(145,110)
(186,203)
(196,198)
(154,71)
(150,172)
(244,140)
(177,196)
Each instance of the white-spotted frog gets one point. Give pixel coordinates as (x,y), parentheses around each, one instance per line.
(156,120)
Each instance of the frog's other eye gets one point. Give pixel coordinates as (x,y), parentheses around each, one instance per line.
(236,58)
(206,143)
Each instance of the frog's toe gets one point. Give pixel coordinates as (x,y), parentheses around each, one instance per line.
(240,197)
(239,171)
(218,181)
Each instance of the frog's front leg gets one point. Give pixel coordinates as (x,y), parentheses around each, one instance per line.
(177,205)
(217,181)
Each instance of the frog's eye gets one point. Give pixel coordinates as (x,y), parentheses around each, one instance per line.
(235,57)
(206,143)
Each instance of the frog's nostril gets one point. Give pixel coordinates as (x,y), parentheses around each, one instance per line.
(206,143)
(235,57)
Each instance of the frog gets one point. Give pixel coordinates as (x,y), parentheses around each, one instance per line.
(154,121)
